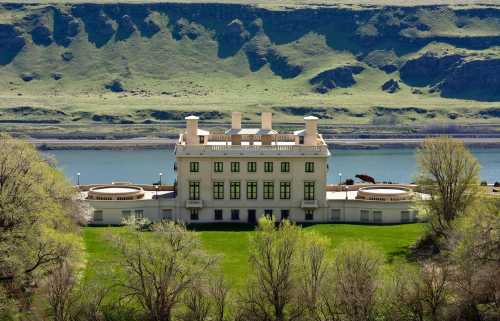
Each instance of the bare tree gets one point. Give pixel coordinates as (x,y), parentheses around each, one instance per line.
(313,273)
(449,173)
(160,268)
(272,292)
(60,291)
(219,291)
(197,303)
(355,281)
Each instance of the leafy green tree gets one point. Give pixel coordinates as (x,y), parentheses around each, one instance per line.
(449,174)
(37,218)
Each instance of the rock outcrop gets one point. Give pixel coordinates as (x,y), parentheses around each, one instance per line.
(391,86)
(338,77)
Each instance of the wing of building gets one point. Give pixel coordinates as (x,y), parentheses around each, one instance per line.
(245,173)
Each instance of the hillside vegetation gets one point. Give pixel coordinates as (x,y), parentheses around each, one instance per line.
(133,63)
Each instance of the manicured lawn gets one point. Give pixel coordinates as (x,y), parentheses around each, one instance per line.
(231,242)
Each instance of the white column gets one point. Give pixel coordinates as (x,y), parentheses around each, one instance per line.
(267,120)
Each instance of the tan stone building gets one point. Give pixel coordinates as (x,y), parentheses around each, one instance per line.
(245,173)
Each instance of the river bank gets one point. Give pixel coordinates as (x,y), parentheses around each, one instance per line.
(166,143)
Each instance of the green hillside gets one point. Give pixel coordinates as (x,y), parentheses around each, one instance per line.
(84,64)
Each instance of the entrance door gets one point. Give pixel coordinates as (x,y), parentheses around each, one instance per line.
(252,217)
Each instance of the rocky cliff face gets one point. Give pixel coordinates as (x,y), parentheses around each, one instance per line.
(389,40)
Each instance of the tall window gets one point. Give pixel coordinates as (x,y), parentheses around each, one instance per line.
(268,167)
(235,190)
(235,215)
(194,167)
(285,190)
(405,216)
(268,212)
(235,167)
(268,190)
(252,190)
(251,167)
(285,167)
(218,190)
(218,167)
(194,214)
(377,216)
(194,190)
(218,215)
(309,168)
(309,191)
(309,215)
(139,214)
(365,216)
(98,217)
(285,214)
(126,213)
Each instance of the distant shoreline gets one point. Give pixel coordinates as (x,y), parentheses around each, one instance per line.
(162,143)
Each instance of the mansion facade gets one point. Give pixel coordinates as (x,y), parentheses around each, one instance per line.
(245,173)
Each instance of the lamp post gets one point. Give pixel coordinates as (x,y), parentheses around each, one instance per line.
(161,174)
(78,179)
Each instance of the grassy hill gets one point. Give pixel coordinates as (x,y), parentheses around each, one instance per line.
(360,62)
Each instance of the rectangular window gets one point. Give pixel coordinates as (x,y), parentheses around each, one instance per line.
(194,190)
(285,167)
(166,214)
(309,191)
(194,167)
(98,217)
(335,215)
(268,190)
(268,167)
(126,213)
(268,212)
(218,215)
(405,216)
(235,215)
(301,140)
(218,167)
(309,215)
(201,139)
(285,214)
(194,214)
(377,217)
(285,190)
(218,190)
(251,167)
(252,190)
(365,216)
(235,190)
(235,167)
(309,168)
(139,214)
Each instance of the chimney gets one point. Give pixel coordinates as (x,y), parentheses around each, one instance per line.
(311,132)
(191,130)
(236,120)
(267,120)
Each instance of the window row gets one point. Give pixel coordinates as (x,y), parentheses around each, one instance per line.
(194,167)
(268,189)
(218,214)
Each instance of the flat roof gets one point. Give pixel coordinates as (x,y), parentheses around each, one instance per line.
(251,131)
(351,195)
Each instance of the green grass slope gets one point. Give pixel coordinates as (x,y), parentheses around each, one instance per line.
(231,243)
(133,63)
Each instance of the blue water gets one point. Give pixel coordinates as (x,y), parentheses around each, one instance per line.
(144,166)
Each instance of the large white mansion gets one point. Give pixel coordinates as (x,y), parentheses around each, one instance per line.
(244,173)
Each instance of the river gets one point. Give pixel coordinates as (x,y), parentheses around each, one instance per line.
(144,166)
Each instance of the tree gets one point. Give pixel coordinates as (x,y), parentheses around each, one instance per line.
(449,173)
(475,254)
(160,268)
(351,295)
(272,292)
(37,218)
